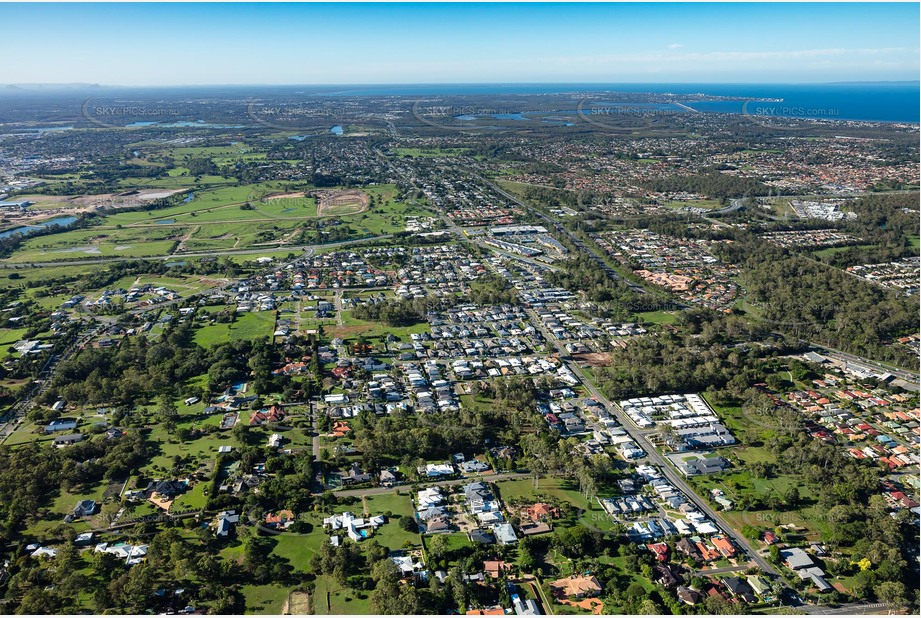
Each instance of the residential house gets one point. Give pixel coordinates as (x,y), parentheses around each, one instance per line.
(660,550)
(85,538)
(481,537)
(689,549)
(495,568)
(354,476)
(723,546)
(225,522)
(165,489)
(578,586)
(689,596)
(388,478)
(432,512)
(665,575)
(407,565)
(85,508)
(356,528)
(437,470)
(281,520)
(439,525)
(704,466)
(430,496)
(525,607)
(795,558)
(759,585)
(540,511)
(68,439)
(474,466)
(505,534)
(61,424)
(739,589)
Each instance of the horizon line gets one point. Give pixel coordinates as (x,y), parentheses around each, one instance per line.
(473,83)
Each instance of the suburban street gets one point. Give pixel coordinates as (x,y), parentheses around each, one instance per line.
(486,478)
(654,457)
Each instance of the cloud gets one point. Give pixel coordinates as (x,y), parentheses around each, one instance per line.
(675,46)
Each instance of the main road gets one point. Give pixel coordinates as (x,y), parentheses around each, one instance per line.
(307,250)
(655,457)
(561,229)
(848,609)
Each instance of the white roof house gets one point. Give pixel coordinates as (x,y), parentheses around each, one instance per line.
(353,525)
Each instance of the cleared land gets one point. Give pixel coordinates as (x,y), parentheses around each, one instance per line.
(337,203)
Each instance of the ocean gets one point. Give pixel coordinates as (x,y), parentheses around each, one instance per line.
(867,101)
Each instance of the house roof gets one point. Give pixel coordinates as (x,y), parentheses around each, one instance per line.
(577,586)
(660,550)
(505,533)
(688,595)
(482,537)
(724,546)
(540,510)
(736,585)
(796,558)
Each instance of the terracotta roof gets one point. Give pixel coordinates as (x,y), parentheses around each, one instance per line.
(577,586)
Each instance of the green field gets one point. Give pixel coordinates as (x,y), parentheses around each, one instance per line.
(9,336)
(246,326)
(217,218)
(27,274)
(298,549)
(265,599)
(353,327)
(331,599)
(561,489)
(829,251)
(705,204)
(657,317)
(417,153)
(94,242)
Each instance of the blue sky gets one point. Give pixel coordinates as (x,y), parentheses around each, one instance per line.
(184,44)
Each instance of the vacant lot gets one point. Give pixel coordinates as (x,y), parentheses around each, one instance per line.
(338,203)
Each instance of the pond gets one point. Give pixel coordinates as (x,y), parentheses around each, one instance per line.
(25,230)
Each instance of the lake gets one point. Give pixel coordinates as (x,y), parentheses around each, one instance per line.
(26,230)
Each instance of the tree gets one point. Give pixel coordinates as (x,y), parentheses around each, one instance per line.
(385,599)
(456,590)
(750,532)
(166,409)
(408,523)
(437,547)
(718,605)
(526,557)
(635,591)
(375,552)
(774,553)
(892,594)
(649,608)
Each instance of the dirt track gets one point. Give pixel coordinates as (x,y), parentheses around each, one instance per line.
(328,201)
